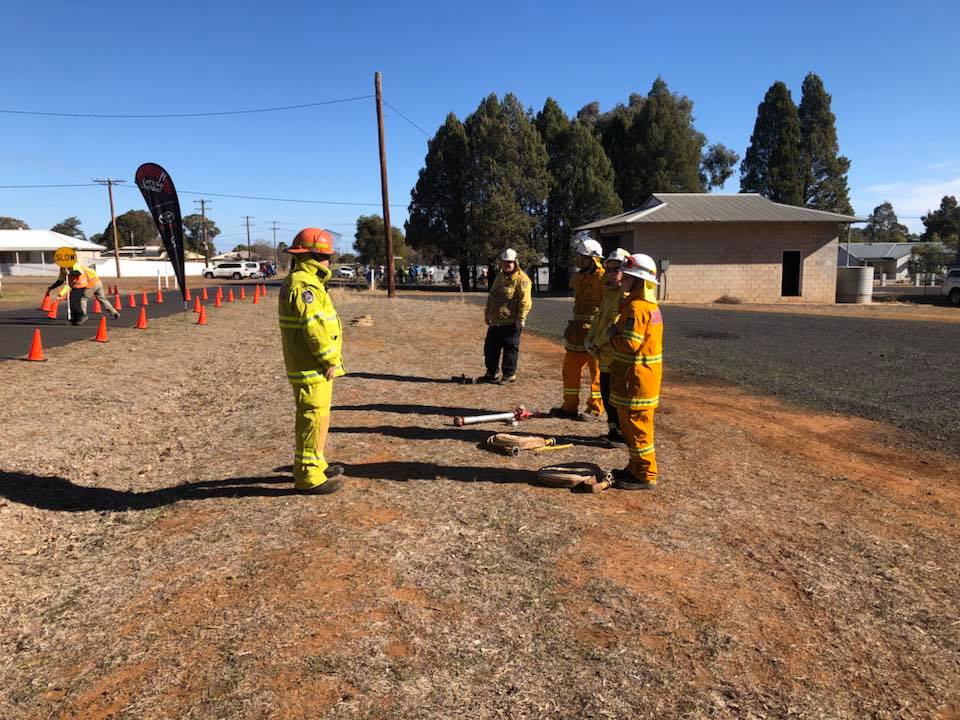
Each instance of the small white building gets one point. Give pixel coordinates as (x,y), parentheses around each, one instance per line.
(30,252)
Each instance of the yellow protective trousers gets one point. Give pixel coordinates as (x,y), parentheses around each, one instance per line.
(637,429)
(573,364)
(313,421)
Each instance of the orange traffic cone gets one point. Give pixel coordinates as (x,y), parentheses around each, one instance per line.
(96,306)
(53,310)
(102,331)
(220,292)
(132,302)
(202,317)
(230,295)
(187,297)
(47,302)
(204,295)
(142,322)
(216,302)
(143,298)
(36,348)
(196,304)
(116,300)
(256,298)
(159,296)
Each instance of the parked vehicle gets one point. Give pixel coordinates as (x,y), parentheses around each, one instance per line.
(346,272)
(235,270)
(951,286)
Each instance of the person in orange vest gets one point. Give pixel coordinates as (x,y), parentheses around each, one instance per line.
(637,369)
(587,286)
(82,283)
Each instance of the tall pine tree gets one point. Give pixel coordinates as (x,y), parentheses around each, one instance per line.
(581,187)
(773,165)
(825,179)
(437,226)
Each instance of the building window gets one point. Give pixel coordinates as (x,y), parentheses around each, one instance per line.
(792,268)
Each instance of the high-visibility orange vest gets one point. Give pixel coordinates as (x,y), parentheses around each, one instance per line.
(87,277)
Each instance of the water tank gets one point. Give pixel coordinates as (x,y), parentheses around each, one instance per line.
(855,284)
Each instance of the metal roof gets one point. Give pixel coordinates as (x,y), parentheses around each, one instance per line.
(881,251)
(43,240)
(708,208)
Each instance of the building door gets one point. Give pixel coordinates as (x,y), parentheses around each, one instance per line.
(790,281)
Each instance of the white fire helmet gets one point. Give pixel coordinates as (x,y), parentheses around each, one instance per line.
(586,245)
(641,266)
(618,255)
(508,255)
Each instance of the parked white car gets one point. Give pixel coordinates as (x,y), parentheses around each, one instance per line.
(346,272)
(951,286)
(235,270)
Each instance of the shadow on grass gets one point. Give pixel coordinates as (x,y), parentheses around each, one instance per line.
(396,378)
(414,409)
(49,492)
(472,435)
(405,471)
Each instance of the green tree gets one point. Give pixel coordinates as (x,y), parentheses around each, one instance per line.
(825,169)
(97,239)
(581,184)
(928,258)
(135,227)
(347,259)
(506,180)
(437,225)
(717,165)
(883,225)
(370,244)
(70,227)
(11,223)
(944,221)
(773,165)
(193,234)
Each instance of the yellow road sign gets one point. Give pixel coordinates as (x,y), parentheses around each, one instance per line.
(65,257)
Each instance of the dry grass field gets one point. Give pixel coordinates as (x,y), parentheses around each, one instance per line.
(792,564)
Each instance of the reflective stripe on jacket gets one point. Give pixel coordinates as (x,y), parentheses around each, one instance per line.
(606,317)
(509,299)
(637,353)
(87,277)
(587,286)
(309,326)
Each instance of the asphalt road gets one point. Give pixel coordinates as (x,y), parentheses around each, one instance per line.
(17,324)
(903,372)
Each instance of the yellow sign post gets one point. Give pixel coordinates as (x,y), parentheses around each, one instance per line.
(65,257)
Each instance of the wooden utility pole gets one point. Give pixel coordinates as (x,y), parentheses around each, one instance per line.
(387,230)
(276,256)
(248,218)
(203,226)
(113,219)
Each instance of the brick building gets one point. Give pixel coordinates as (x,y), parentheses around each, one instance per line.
(742,245)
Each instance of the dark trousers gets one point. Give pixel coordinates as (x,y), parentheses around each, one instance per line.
(505,339)
(613,418)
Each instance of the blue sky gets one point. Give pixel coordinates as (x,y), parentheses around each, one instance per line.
(891,68)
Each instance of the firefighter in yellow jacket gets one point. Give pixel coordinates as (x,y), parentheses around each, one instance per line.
(598,343)
(636,370)
(312,343)
(508,305)
(83,283)
(587,286)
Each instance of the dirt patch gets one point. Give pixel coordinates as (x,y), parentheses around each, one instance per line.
(791,564)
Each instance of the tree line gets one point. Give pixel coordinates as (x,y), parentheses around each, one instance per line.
(508,176)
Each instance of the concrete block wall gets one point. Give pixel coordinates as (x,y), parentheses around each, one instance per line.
(745,260)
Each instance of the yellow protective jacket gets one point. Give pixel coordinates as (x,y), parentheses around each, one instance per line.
(309,326)
(606,317)
(509,300)
(637,366)
(587,286)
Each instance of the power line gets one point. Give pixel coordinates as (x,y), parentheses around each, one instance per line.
(146,116)
(277,199)
(406,118)
(30,187)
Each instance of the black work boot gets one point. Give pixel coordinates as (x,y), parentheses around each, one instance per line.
(626,480)
(330,485)
(616,440)
(559,412)
(487,378)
